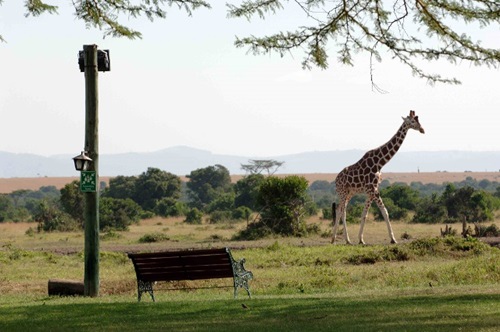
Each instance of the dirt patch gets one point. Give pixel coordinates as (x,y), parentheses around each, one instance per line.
(8,185)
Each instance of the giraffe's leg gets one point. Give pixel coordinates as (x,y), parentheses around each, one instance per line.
(344,215)
(363,219)
(383,210)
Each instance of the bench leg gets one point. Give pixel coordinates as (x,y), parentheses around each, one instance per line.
(242,282)
(145,286)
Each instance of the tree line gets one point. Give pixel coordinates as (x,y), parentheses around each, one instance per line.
(269,204)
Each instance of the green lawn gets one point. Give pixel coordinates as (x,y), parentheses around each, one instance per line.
(462,310)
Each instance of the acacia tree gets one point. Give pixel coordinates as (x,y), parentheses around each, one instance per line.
(108,15)
(405,30)
(257,166)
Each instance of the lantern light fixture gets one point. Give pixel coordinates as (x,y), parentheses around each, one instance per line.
(82,161)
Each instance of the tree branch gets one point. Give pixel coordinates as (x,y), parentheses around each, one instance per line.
(366,26)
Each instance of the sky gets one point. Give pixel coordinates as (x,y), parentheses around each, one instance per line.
(184,83)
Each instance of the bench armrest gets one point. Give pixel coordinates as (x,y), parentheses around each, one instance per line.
(240,274)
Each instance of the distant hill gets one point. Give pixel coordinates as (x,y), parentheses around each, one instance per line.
(182,160)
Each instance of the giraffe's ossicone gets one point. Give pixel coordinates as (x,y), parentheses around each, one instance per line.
(365,177)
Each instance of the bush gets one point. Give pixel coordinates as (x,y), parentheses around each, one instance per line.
(194,216)
(490,231)
(153,237)
(50,218)
(327,213)
(30,232)
(406,236)
(430,210)
(220,216)
(387,254)
(119,214)
(446,245)
(354,212)
(254,231)
(242,213)
(110,235)
(170,207)
(282,203)
(395,212)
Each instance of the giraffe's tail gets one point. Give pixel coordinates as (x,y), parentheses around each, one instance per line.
(334,210)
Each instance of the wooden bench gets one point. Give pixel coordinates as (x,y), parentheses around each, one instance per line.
(188,265)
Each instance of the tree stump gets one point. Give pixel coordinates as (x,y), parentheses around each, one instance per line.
(65,287)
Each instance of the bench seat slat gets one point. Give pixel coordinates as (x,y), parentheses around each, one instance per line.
(207,270)
(194,275)
(177,253)
(179,261)
(186,268)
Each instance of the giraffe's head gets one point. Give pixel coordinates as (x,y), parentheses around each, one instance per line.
(412,122)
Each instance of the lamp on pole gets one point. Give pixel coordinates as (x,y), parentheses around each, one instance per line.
(91,60)
(82,161)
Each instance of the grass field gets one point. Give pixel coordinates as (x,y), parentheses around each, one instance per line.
(302,284)
(453,310)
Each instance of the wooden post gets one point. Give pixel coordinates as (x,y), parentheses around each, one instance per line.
(91,274)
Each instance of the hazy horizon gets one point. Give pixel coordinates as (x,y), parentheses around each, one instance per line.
(170,148)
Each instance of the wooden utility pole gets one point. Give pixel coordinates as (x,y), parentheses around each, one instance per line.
(91,274)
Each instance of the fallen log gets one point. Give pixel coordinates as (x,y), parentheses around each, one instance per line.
(65,287)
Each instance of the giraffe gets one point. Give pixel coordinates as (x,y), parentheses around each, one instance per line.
(365,177)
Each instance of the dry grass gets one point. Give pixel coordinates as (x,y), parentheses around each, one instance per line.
(8,185)
(182,235)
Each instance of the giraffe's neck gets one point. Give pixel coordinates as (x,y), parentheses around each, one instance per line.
(386,151)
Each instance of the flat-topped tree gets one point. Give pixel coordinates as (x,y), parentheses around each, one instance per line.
(257,166)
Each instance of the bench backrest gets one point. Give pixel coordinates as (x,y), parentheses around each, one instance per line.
(183,265)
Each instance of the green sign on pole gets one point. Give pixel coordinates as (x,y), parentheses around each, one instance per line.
(88,181)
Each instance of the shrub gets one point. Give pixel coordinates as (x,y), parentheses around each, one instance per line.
(110,235)
(490,231)
(448,230)
(170,207)
(327,213)
(220,216)
(194,216)
(395,212)
(430,210)
(387,254)
(254,231)
(406,236)
(283,202)
(242,213)
(446,245)
(30,232)
(153,237)
(50,218)
(117,213)
(354,212)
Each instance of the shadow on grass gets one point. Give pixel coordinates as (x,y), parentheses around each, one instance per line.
(322,313)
